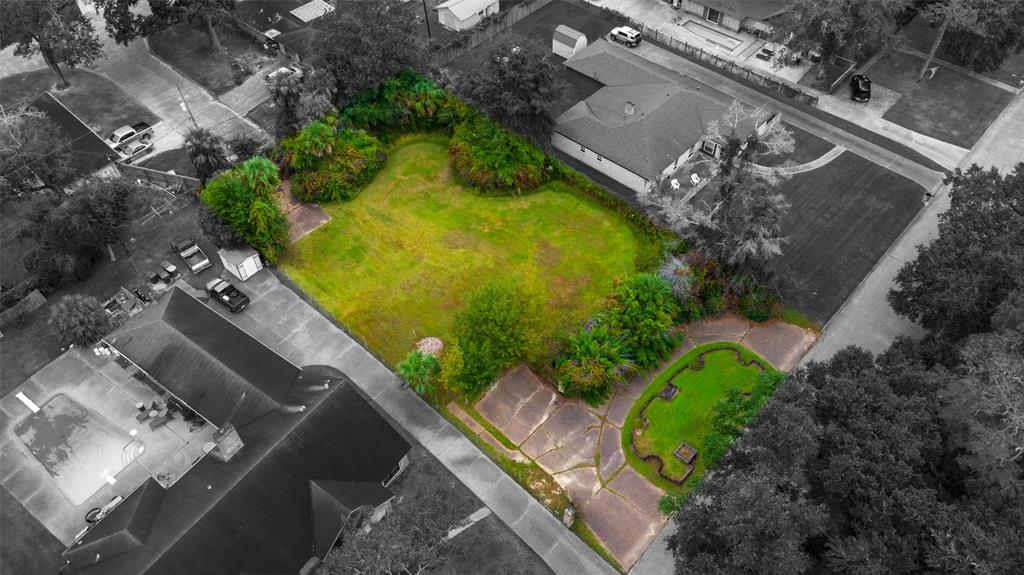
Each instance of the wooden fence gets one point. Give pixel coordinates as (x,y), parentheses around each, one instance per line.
(509,18)
(31,302)
(158,178)
(789,89)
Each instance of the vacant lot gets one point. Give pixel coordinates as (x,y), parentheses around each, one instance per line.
(951,106)
(94,99)
(396,263)
(844,216)
(687,417)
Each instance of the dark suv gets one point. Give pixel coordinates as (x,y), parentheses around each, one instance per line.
(860,85)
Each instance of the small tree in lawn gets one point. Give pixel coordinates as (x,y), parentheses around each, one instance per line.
(593,362)
(418,371)
(981,18)
(31,146)
(642,310)
(206,152)
(78,320)
(54,29)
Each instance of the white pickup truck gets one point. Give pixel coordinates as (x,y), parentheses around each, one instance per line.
(126,134)
(193,255)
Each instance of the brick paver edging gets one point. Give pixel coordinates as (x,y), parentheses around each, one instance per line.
(696,365)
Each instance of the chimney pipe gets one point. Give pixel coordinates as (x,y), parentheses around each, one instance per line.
(630,108)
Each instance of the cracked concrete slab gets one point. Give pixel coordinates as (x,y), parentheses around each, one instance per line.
(580,483)
(623,530)
(636,489)
(782,344)
(538,444)
(569,422)
(618,409)
(612,456)
(577,452)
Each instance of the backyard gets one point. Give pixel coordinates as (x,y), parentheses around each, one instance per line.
(700,379)
(395,264)
(188,50)
(920,35)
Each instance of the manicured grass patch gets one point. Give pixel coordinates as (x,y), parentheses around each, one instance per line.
(687,417)
(395,263)
(176,160)
(188,50)
(806,147)
(952,106)
(844,216)
(95,100)
(920,35)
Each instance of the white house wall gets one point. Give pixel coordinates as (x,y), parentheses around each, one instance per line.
(450,21)
(607,167)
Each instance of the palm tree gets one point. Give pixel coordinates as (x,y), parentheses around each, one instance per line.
(418,370)
(206,152)
(78,320)
(260,176)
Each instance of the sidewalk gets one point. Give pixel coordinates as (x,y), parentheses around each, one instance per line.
(889,160)
(866,318)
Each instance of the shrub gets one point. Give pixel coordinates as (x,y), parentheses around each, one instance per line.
(409,101)
(494,160)
(246,198)
(451,365)
(642,310)
(331,165)
(756,304)
(592,363)
(733,413)
(78,320)
(493,333)
(418,370)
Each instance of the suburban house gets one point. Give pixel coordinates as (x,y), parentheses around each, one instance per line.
(641,122)
(286,25)
(299,454)
(464,14)
(735,15)
(89,153)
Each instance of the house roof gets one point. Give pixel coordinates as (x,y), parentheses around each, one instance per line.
(89,152)
(209,363)
(334,501)
(123,530)
(754,9)
(567,35)
(258,512)
(463,9)
(670,112)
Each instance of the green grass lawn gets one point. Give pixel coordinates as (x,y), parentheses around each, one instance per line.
(687,417)
(952,106)
(920,35)
(396,263)
(188,50)
(95,100)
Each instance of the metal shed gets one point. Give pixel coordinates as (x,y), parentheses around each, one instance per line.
(242,263)
(567,42)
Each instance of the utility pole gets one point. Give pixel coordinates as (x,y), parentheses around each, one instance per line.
(426,16)
(185,107)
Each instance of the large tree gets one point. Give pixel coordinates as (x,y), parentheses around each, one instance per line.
(839,27)
(206,152)
(126,23)
(958,281)
(54,29)
(976,18)
(31,146)
(364,45)
(516,85)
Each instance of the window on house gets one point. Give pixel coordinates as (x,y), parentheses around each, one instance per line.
(713,16)
(599,158)
(582,149)
(710,148)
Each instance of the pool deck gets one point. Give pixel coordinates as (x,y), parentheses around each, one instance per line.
(110,392)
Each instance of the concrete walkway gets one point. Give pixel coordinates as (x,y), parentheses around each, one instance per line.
(866,319)
(799,168)
(890,160)
(251,93)
(979,77)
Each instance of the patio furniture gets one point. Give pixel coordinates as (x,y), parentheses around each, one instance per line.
(169,267)
(164,276)
(143,416)
(160,421)
(154,278)
(765,54)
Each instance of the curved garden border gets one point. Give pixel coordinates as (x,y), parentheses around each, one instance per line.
(696,365)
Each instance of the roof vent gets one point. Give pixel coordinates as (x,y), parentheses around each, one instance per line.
(630,108)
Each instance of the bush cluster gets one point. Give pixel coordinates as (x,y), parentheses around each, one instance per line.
(703,288)
(592,363)
(328,164)
(407,102)
(494,160)
(734,412)
(246,198)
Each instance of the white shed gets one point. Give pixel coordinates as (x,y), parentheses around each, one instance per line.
(567,42)
(464,14)
(241,263)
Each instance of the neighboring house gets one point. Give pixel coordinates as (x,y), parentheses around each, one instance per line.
(752,15)
(299,453)
(89,153)
(567,42)
(464,14)
(287,25)
(641,122)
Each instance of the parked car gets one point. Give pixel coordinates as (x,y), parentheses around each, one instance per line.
(193,255)
(282,73)
(126,133)
(134,150)
(626,35)
(860,85)
(227,294)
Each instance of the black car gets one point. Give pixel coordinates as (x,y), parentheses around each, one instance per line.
(227,294)
(861,88)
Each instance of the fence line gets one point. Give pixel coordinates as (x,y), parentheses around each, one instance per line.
(156,177)
(509,19)
(31,302)
(789,89)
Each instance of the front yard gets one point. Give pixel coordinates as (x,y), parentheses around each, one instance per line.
(395,264)
(188,50)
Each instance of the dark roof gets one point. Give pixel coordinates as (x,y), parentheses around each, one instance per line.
(755,9)
(123,530)
(89,152)
(670,112)
(257,513)
(208,362)
(334,501)
(297,37)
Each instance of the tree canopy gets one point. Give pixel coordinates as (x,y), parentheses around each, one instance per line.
(125,24)
(54,29)
(31,146)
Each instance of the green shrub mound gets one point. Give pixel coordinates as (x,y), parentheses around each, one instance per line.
(494,160)
(331,165)
(246,198)
(643,310)
(407,102)
(493,331)
(592,363)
